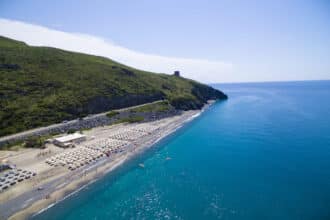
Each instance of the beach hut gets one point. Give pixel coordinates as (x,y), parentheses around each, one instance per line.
(68,140)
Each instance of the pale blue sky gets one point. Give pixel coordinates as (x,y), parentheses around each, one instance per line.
(262,40)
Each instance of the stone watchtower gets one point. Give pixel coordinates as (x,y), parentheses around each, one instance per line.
(176,73)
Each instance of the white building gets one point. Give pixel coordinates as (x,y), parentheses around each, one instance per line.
(70,139)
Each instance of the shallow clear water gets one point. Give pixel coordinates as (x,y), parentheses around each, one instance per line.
(263,154)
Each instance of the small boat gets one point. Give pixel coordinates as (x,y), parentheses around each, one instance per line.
(141,165)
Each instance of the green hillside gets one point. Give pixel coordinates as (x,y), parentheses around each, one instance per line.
(40,86)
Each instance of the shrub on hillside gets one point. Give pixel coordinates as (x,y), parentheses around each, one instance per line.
(112,114)
(34,142)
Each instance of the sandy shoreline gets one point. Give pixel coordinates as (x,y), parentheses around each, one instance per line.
(82,178)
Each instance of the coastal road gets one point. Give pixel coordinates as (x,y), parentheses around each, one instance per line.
(35,131)
(26,199)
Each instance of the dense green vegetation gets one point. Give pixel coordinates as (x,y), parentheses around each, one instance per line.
(32,142)
(16,145)
(35,142)
(153,107)
(71,131)
(40,86)
(112,114)
(131,119)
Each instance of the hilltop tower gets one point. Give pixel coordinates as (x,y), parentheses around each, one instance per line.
(176,73)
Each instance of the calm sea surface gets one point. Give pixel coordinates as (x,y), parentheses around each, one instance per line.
(263,154)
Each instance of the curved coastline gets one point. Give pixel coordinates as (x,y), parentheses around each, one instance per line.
(77,185)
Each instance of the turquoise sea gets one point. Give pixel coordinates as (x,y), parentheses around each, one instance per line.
(262,154)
